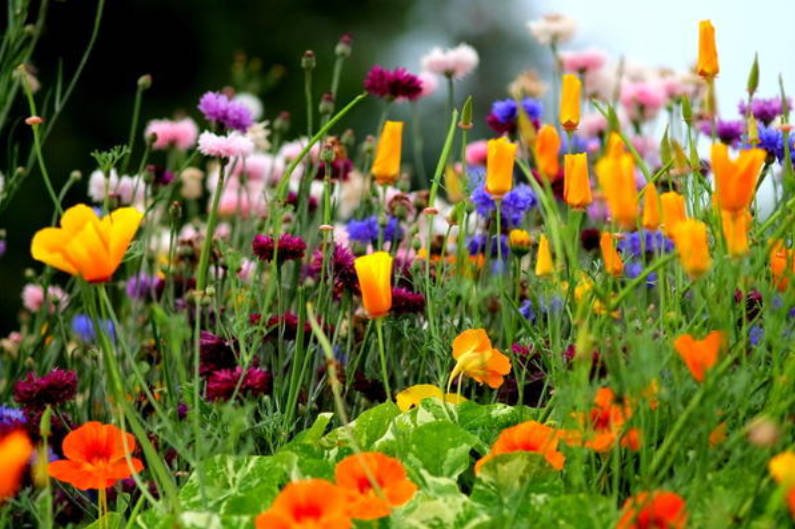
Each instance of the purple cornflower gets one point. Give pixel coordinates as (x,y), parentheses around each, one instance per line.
(636,243)
(502,117)
(392,84)
(516,203)
(765,110)
(771,140)
(404,301)
(633,269)
(477,245)
(213,105)
(755,335)
(363,231)
(83,327)
(729,131)
(11,419)
(341,268)
(143,286)
(289,248)
(526,310)
(36,393)
(578,144)
(217,108)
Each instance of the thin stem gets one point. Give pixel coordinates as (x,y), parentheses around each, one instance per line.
(308,98)
(379,324)
(139,92)
(37,147)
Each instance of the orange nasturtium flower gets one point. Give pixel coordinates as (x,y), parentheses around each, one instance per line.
(782,265)
(530,436)
(658,509)
(607,420)
(546,151)
(699,355)
(707,65)
(576,184)
(375,281)
(86,245)
(570,102)
(735,180)
(366,502)
(386,165)
(96,457)
(735,231)
(544,264)
(616,174)
(307,504)
(500,158)
(612,260)
(651,207)
(412,396)
(673,211)
(476,358)
(15,452)
(690,239)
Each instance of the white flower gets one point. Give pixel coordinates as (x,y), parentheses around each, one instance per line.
(191,178)
(99,187)
(552,29)
(251,102)
(259,134)
(456,62)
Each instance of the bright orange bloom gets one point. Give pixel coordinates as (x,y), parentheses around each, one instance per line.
(699,355)
(307,504)
(718,434)
(653,510)
(476,358)
(611,258)
(15,452)
(375,282)
(673,211)
(782,265)
(707,65)
(530,436)
(544,264)
(386,165)
(570,102)
(576,184)
(546,151)
(735,231)
(500,157)
(364,501)
(782,468)
(616,175)
(690,239)
(607,419)
(96,457)
(86,245)
(735,180)
(651,207)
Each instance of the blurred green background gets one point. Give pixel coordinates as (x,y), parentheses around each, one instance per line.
(188,47)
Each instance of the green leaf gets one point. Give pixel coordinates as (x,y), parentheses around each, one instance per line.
(111,520)
(367,428)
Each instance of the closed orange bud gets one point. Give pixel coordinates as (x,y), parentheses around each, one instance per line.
(735,231)
(546,150)
(707,51)
(576,184)
(544,263)
(375,274)
(616,175)
(499,166)
(386,166)
(735,180)
(690,239)
(570,102)
(673,211)
(782,265)
(699,355)
(651,207)
(612,260)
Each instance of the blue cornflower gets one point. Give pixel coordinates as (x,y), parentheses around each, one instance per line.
(578,144)
(526,310)
(365,231)
(11,417)
(772,141)
(476,244)
(483,202)
(516,203)
(83,327)
(505,109)
(633,269)
(392,230)
(755,335)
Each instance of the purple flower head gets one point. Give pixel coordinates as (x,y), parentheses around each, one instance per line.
(217,108)
(55,388)
(728,132)
(221,384)
(633,269)
(143,286)
(238,117)
(404,301)
(476,244)
(3,247)
(516,203)
(765,110)
(503,115)
(11,419)
(526,310)
(392,84)
(579,144)
(636,243)
(342,269)
(83,327)
(771,140)
(755,335)
(363,231)
(484,204)
(289,248)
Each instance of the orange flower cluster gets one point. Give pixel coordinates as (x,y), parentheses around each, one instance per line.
(605,424)
(367,486)
(530,436)
(660,509)
(476,358)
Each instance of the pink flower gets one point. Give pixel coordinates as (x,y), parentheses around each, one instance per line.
(642,100)
(592,124)
(33,297)
(584,61)
(230,146)
(552,29)
(242,202)
(260,167)
(455,62)
(476,153)
(247,269)
(429,84)
(180,134)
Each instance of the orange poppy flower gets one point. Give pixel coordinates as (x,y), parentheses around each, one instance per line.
(735,231)
(15,452)
(86,245)
(500,159)
(735,180)
(546,151)
(530,436)
(707,65)
(690,239)
(616,175)
(374,272)
(569,111)
(782,265)
(607,420)
(576,184)
(545,266)
(476,358)
(307,504)
(647,510)
(364,501)
(96,457)
(673,211)
(612,260)
(699,355)
(386,165)
(651,207)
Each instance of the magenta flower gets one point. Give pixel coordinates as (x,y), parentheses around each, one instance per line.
(289,248)
(218,108)
(392,84)
(405,301)
(221,384)
(180,134)
(56,387)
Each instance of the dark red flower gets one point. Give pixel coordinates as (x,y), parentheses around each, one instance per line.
(340,170)
(498,126)
(214,353)
(221,384)
(589,239)
(405,301)
(392,84)
(56,387)
(289,247)
(341,269)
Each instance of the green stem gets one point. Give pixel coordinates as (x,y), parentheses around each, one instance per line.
(379,324)
(308,97)
(39,155)
(139,92)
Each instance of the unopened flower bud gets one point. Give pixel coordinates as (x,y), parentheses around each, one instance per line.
(75,176)
(282,122)
(144,82)
(175,211)
(348,139)
(519,242)
(308,60)
(343,48)
(368,146)
(326,106)
(34,120)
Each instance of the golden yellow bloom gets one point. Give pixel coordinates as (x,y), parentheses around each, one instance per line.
(735,180)
(707,65)
(519,241)
(570,102)
(690,239)
(735,231)
(476,358)
(544,263)
(576,184)
(673,211)
(612,260)
(412,396)
(375,282)
(499,166)
(86,245)
(616,175)
(651,207)
(782,468)
(546,150)
(386,166)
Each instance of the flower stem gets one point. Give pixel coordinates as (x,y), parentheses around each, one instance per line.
(379,324)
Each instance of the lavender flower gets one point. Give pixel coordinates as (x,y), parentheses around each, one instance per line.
(765,110)
(217,108)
